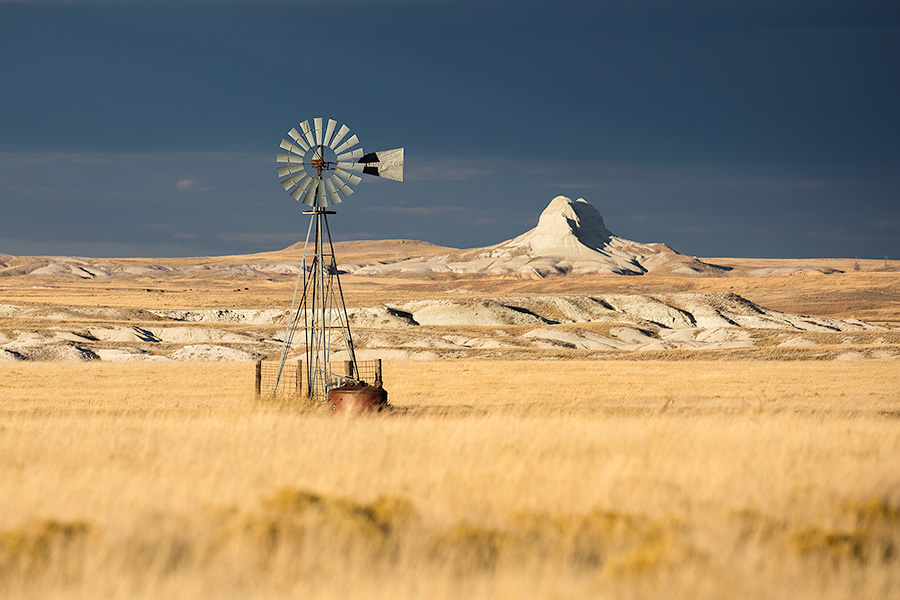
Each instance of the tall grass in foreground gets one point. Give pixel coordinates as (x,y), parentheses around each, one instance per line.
(491,480)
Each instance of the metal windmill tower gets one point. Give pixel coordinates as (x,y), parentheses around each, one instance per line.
(319,168)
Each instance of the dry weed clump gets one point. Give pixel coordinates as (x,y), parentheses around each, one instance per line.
(599,541)
(867,533)
(43,548)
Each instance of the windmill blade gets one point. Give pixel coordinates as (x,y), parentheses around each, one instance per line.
(344,130)
(329,129)
(282,171)
(288,158)
(292,181)
(321,198)
(348,178)
(317,124)
(300,190)
(351,166)
(345,188)
(309,200)
(292,148)
(307,133)
(349,143)
(295,135)
(333,196)
(350,155)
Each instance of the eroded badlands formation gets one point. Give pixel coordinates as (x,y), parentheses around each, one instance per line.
(571,238)
(430,329)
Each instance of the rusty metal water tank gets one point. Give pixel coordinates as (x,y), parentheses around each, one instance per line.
(357,398)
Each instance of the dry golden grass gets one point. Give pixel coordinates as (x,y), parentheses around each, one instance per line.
(491,479)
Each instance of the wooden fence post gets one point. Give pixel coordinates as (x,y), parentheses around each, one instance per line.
(258,377)
(378,379)
(298,386)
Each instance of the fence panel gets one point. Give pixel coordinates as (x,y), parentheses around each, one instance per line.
(290,384)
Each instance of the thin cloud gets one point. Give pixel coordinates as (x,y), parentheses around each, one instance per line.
(279,240)
(448,169)
(774,183)
(127,158)
(892,224)
(662,222)
(191,184)
(845,237)
(571,185)
(417,210)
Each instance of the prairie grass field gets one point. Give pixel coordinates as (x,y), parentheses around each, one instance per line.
(489,479)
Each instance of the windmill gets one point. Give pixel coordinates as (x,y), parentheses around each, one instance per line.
(319,168)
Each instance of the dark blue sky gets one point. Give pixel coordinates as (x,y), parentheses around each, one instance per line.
(739,128)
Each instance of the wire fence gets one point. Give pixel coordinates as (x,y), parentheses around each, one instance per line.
(291,382)
(368,371)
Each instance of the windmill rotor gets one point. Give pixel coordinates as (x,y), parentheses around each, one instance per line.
(320,160)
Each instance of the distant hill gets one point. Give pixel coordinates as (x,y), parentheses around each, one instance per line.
(570,237)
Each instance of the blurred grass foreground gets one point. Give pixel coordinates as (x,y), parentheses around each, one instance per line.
(492,479)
